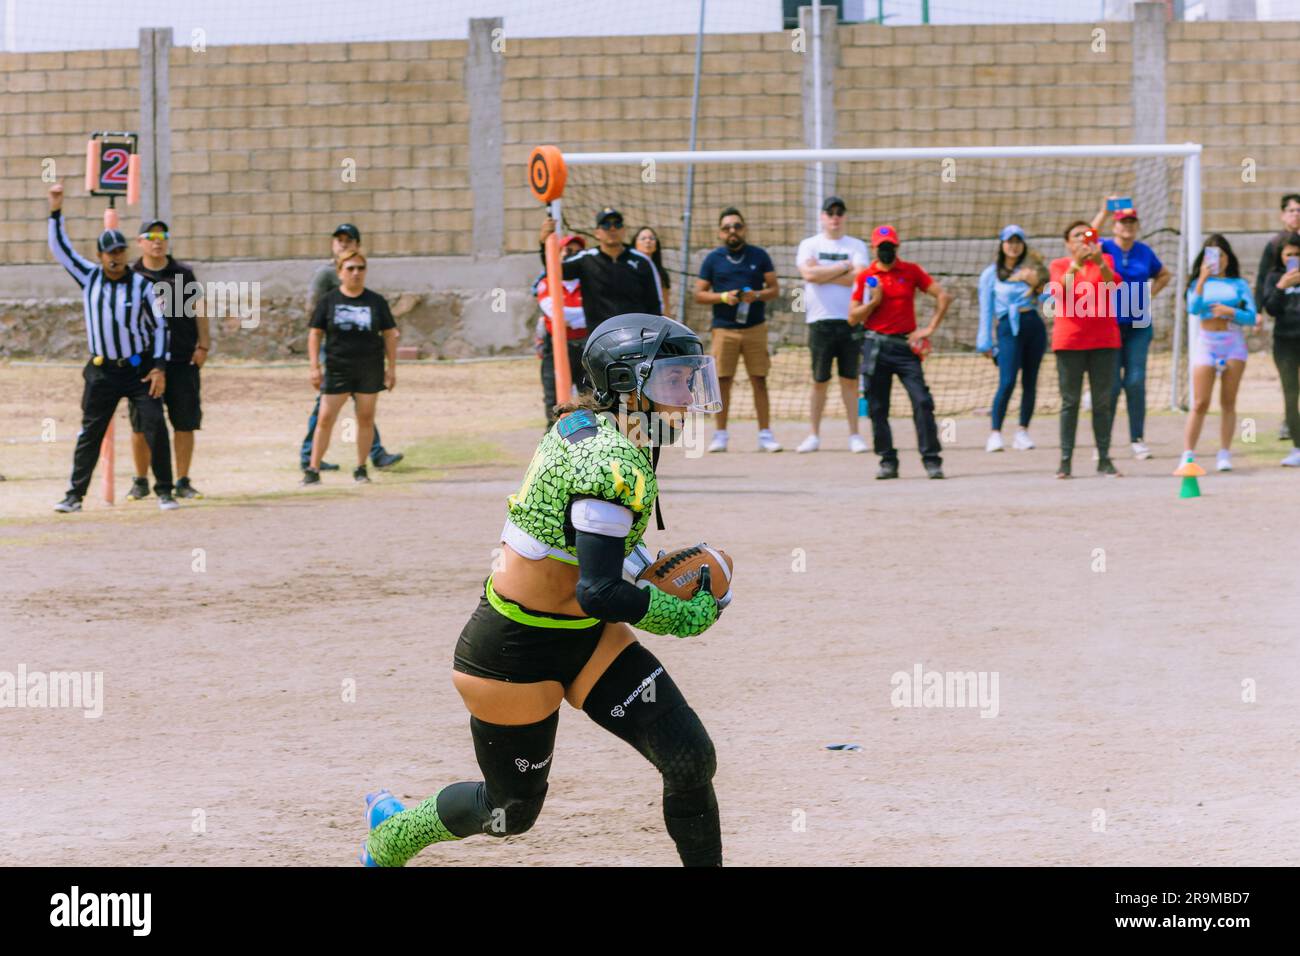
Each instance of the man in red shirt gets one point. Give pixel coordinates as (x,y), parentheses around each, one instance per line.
(1085,338)
(889,314)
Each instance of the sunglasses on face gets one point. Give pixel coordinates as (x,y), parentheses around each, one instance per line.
(155,236)
(612,224)
(836,215)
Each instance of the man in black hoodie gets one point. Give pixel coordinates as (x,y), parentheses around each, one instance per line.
(1281,287)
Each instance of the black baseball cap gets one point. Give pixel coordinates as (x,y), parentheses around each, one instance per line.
(608,213)
(832,202)
(349,230)
(111,239)
(148,224)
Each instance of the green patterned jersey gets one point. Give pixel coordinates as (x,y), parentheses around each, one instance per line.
(583,456)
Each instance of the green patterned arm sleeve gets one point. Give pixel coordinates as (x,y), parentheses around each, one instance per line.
(669,614)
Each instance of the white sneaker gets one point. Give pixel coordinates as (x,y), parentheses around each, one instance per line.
(1022,441)
(995,442)
(1140,451)
(1292,460)
(719,442)
(857,444)
(767,441)
(1223,460)
(811,443)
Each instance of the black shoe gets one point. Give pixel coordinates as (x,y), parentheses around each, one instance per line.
(387,460)
(69,504)
(1063,469)
(310,476)
(185,490)
(326,466)
(934,469)
(888,469)
(139,489)
(1107,467)
(166,502)
(360,476)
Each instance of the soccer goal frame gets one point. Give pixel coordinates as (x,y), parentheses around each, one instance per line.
(1190,234)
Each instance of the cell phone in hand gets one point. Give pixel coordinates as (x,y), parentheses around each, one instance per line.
(1213,256)
(1293,263)
(1115,205)
(1090,237)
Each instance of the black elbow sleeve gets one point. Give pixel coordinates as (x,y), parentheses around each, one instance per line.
(602,593)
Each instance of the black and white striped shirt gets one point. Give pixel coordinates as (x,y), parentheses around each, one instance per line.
(121,317)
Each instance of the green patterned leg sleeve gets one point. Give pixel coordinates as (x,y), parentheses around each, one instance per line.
(405,834)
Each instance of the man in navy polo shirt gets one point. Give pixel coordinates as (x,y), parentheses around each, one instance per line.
(736,279)
(1144,275)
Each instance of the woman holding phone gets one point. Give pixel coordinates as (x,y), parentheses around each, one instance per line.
(359,334)
(1222,303)
(1282,301)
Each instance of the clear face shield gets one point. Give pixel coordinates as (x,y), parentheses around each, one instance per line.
(684,382)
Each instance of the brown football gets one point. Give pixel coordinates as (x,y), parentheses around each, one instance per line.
(678,572)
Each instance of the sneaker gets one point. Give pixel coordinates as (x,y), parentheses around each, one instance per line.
(310,476)
(995,442)
(1292,460)
(1022,441)
(379,807)
(857,444)
(767,441)
(934,469)
(326,466)
(1223,460)
(166,502)
(888,469)
(811,443)
(1140,451)
(139,489)
(69,504)
(1063,469)
(1107,467)
(360,476)
(386,459)
(185,490)
(719,442)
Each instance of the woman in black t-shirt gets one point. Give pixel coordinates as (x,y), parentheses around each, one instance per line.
(359,334)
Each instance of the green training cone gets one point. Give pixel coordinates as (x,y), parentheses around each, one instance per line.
(1191,488)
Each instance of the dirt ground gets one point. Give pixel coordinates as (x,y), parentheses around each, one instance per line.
(1126,627)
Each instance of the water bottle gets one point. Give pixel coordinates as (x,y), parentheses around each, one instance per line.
(742,310)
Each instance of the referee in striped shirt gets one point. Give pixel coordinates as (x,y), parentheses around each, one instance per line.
(127,336)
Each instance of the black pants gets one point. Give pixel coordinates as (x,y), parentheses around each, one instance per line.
(1102,366)
(1286,355)
(896,358)
(576,371)
(105,387)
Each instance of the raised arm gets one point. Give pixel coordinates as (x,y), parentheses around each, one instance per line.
(61,245)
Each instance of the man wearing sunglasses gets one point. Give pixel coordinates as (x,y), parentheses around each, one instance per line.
(181,302)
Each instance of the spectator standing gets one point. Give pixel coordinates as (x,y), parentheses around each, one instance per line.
(179,297)
(1144,278)
(126,336)
(345,240)
(828,262)
(359,335)
(1282,301)
(646,242)
(575,332)
(894,348)
(1085,338)
(1223,304)
(738,279)
(1009,290)
(1267,262)
(616,279)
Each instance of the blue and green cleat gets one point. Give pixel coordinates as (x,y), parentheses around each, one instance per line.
(379,807)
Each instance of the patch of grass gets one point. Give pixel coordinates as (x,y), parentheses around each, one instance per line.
(454,451)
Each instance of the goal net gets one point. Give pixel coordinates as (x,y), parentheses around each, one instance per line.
(948,206)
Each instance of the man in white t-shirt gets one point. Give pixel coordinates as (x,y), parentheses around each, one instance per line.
(828,262)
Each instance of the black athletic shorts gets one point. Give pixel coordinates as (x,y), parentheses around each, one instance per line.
(181,397)
(834,340)
(505,641)
(366,378)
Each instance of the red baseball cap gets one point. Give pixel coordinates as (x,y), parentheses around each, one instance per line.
(573,238)
(1122,214)
(883,234)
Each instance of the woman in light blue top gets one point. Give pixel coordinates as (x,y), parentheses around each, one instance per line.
(1009,291)
(1223,305)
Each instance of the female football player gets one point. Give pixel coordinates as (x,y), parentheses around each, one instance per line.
(553,621)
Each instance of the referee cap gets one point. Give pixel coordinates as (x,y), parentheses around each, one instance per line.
(111,239)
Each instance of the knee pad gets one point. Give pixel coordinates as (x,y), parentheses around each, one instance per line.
(516,761)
